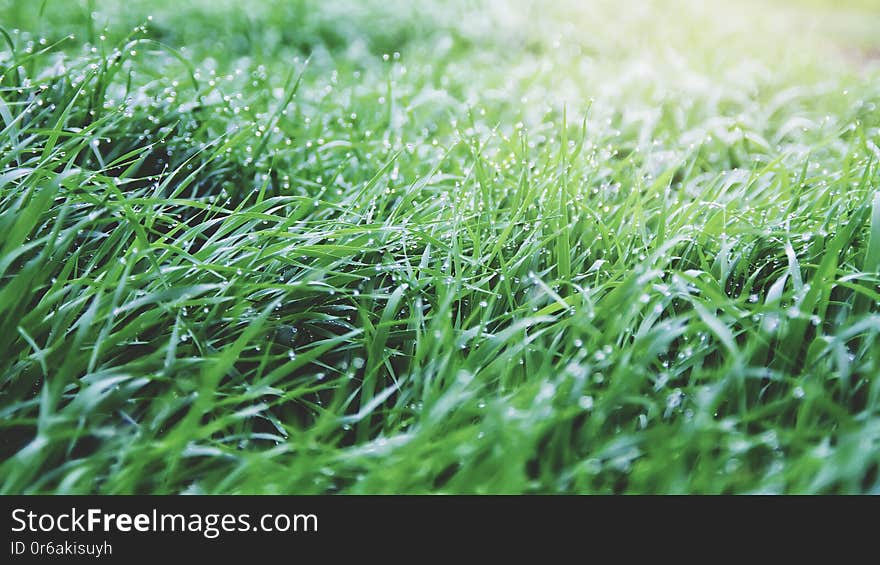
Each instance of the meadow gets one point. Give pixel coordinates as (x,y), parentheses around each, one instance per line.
(474,246)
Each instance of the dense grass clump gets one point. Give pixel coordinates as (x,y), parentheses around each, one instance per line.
(470,247)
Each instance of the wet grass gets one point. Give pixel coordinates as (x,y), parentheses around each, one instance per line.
(317,247)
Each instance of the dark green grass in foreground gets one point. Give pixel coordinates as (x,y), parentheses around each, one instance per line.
(474,247)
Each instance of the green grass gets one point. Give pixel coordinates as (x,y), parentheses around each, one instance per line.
(469,247)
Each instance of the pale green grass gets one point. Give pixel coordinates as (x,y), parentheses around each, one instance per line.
(491,247)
